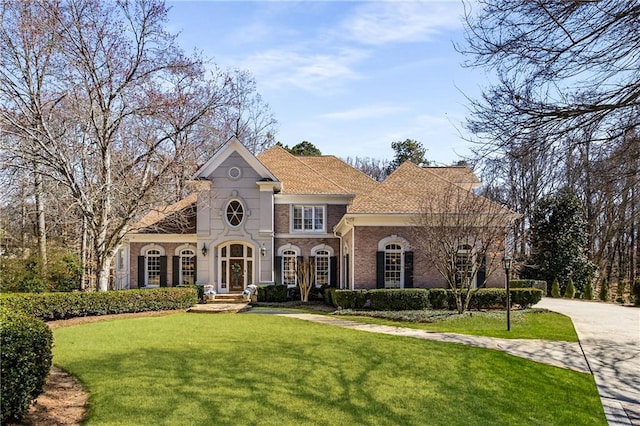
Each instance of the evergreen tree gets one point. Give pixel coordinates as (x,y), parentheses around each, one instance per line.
(555,288)
(604,290)
(559,240)
(588,290)
(570,290)
(407,150)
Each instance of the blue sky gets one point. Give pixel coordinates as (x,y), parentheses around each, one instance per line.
(350,77)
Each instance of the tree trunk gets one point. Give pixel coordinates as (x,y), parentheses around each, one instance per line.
(41,224)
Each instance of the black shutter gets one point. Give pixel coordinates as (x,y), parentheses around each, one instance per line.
(379,269)
(175,271)
(141,271)
(195,269)
(333,271)
(277,268)
(312,261)
(408,269)
(163,271)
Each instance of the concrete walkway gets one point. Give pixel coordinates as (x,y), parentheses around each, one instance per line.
(559,354)
(610,338)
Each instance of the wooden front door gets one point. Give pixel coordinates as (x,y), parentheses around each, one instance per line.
(236,274)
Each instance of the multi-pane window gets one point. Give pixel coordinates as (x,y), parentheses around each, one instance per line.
(464,265)
(289,259)
(308,218)
(392,265)
(153,267)
(234,213)
(187,266)
(322,267)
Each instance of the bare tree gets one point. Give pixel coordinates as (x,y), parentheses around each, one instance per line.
(372,167)
(463,236)
(305,271)
(559,66)
(104,114)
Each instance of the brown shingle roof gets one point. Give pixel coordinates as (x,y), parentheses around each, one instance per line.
(298,176)
(177,218)
(350,178)
(409,190)
(459,175)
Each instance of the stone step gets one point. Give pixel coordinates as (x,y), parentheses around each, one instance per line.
(227,298)
(219,308)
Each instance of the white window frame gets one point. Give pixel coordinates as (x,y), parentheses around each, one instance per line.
(465,252)
(312,210)
(192,257)
(286,252)
(152,251)
(243,211)
(322,251)
(383,245)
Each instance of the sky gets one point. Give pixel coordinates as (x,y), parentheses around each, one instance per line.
(350,77)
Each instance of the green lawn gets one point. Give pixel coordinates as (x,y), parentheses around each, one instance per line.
(531,324)
(186,369)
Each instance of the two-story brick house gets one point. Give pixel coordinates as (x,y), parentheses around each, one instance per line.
(254,218)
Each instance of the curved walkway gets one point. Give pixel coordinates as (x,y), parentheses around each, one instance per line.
(610,338)
(609,348)
(559,354)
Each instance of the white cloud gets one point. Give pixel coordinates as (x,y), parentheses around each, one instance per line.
(315,72)
(401,21)
(365,112)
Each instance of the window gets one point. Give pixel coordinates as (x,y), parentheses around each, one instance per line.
(234,213)
(393,266)
(152,261)
(187,266)
(322,267)
(289,263)
(308,218)
(464,266)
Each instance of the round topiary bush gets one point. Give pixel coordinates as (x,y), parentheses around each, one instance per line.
(25,361)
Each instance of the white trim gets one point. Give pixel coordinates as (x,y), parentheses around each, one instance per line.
(393,239)
(145,249)
(339,199)
(316,235)
(162,238)
(288,246)
(244,213)
(187,246)
(324,247)
(313,231)
(231,146)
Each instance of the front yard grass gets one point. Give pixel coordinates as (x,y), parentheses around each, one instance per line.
(185,369)
(525,324)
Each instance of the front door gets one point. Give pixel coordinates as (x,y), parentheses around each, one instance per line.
(236,266)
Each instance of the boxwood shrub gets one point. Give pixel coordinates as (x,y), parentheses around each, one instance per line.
(272,293)
(542,285)
(399,299)
(438,298)
(56,306)
(349,299)
(496,298)
(526,297)
(25,360)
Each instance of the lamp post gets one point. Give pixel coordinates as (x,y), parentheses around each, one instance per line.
(506,264)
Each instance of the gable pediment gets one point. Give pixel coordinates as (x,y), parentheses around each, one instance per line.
(234,146)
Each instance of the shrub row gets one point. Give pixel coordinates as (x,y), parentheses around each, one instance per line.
(272,293)
(437,298)
(56,306)
(25,358)
(542,285)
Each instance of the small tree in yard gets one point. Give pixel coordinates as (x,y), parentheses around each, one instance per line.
(555,288)
(462,235)
(570,290)
(588,290)
(305,271)
(603,295)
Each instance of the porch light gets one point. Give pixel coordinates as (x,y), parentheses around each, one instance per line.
(506,265)
(204,249)
(263,251)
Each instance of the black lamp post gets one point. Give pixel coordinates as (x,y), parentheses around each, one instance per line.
(506,264)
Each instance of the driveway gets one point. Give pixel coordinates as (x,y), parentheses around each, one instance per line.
(610,339)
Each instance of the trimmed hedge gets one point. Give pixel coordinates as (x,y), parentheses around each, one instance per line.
(349,299)
(526,297)
(438,298)
(411,299)
(542,285)
(635,291)
(272,293)
(25,359)
(56,306)
(496,298)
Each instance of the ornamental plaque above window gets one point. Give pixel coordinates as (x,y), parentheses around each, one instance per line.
(234,213)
